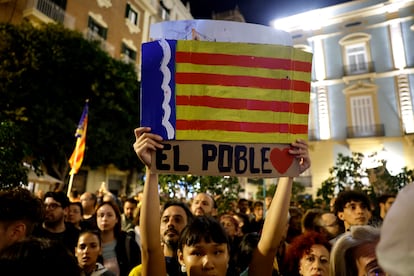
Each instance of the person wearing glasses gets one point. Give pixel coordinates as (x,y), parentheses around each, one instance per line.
(54,227)
(353,208)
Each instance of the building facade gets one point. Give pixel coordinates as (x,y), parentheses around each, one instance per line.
(362,93)
(121,26)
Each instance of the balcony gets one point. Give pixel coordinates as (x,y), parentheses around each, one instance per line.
(45,11)
(365,131)
(359,68)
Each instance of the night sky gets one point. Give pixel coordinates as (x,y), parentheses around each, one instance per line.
(258,11)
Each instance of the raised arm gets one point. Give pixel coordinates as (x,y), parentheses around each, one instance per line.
(277,216)
(153,262)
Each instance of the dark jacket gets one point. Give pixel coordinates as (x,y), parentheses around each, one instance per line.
(127,253)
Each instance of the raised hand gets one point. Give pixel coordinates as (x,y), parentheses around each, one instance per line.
(145,143)
(300,150)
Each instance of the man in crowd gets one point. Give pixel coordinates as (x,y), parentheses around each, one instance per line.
(203,205)
(385,202)
(175,216)
(89,202)
(127,218)
(353,208)
(54,227)
(256,223)
(243,206)
(20,210)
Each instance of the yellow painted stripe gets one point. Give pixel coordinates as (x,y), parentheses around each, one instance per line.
(194,113)
(238,137)
(242,93)
(242,71)
(259,50)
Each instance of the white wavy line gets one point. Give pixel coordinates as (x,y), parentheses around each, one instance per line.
(166,88)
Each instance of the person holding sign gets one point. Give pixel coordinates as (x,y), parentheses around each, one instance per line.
(203,251)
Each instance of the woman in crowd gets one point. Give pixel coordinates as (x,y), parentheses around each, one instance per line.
(87,251)
(119,250)
(307,255)
(354,253)
(231,226)
(201,250)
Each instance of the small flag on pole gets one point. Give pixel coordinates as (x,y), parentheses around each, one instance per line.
(76,159)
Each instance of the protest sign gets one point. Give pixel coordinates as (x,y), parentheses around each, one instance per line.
(224,108)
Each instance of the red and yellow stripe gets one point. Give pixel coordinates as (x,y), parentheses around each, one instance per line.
(234,92)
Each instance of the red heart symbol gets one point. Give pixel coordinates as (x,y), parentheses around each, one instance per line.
(281,159)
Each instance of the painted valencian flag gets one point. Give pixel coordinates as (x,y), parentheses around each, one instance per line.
(225,92)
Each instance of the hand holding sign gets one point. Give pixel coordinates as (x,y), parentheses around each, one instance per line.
(145,144)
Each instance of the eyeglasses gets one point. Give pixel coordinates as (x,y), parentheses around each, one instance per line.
(376,271)
(52,206)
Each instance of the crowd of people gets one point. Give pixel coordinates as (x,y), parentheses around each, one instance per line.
(102,235)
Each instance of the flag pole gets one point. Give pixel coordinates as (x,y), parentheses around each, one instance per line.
(72,175)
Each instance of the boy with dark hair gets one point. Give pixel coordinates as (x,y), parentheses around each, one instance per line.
(353,208)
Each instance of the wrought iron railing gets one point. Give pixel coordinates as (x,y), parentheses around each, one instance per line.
(365,131)
(359,68)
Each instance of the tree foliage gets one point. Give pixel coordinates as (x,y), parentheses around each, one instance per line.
(225,190)
(11,154)
(46,74)
(348,174)
(297,191)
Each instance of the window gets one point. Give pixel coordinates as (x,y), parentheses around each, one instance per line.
(356,54)
(357,58)
(163,12)
(129,55)
(96,29)
(362,113)
(131,14)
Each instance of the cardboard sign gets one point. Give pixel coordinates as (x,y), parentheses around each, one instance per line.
(226,159)
(247,100)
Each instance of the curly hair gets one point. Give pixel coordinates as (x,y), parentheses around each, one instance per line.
(300,246)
